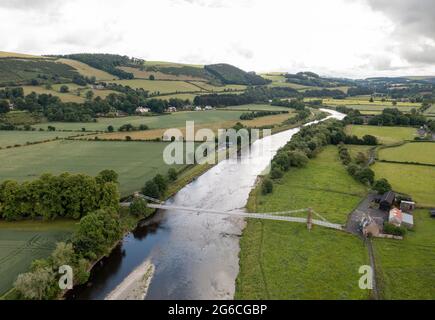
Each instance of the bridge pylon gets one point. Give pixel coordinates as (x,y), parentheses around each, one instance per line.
(310,219)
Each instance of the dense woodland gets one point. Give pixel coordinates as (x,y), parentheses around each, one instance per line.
(50,197)
(107,62)
(229,74)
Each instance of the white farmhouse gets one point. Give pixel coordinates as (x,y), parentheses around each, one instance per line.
(142,110)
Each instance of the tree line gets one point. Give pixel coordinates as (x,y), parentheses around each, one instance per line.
(257,114)
(251,95)
(54,109)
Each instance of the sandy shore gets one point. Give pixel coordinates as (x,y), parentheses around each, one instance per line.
(135,286)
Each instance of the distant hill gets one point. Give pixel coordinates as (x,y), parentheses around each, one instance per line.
(15,71)
(4,54)
(229,74)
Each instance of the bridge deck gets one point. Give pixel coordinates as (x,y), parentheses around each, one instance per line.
(264,216)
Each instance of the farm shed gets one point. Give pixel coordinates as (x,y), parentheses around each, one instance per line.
(408,221)
(387,201)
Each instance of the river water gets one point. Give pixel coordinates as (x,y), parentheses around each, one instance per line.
(195,255)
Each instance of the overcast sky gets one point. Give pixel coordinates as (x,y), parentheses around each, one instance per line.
(352,38)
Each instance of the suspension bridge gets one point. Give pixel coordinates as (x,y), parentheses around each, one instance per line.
(276,216)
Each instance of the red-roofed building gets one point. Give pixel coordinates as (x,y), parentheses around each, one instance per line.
(396,217)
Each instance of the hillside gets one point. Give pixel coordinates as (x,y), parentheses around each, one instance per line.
(229,74)
(23,71)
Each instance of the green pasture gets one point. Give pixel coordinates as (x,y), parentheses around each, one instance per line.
(135,162)
(385,135)
(407,268)
(415,180)
(161,86)
(417,152)
(12,138)
(283,260)
(24,241)
(174,120)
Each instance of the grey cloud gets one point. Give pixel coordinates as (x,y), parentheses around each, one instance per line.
(414,27)
(28,4)
(217,3)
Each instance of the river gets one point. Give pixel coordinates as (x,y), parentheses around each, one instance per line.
(195,255)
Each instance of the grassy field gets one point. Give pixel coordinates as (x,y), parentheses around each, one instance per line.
(281,260)
(24,241)
(65,97)
(209,87)
(257,107)
(420,152)
(159,85)
(11,138)
(415,180)
(170,64)
(144,74)
(214,126)
(386,135)
(174,120)
(407,268)
(19,118)
(362,104)
(135,162)
(87,70)
(4,54)
(323,185)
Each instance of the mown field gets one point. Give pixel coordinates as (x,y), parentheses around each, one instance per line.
(4,54)
(362,104)
(174,120)
(160,86)
(407,268)
(23,242)
(12,138)
(214,126)
(135,162)
(88,71)
(386,135)
(418,152)
(281,260)
(415,180)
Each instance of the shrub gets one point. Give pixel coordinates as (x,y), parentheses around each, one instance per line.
(394,230)
(276,173)
(267,186)
(138,207)
(297,159)
(172,174)
(382,186)
(151,189)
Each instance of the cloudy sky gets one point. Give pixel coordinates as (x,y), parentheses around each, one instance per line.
(352,38)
